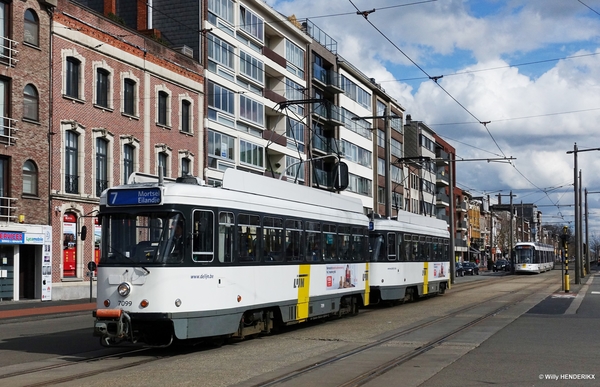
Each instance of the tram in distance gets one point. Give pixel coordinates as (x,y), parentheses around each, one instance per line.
(182,260)
(533,257)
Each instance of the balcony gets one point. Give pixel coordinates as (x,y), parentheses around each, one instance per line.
(329,79)
(442,199)
(8,53)
(328,113)
(7,209)
(8,131)
(442,178)
(275,57)
(442,157)
(319,35)
(273,96)
(274,137)
(328,145)
(323,179)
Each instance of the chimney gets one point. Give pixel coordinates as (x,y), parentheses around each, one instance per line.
(110,7)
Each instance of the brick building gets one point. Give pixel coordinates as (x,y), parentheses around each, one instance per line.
(122,103)
(25,237)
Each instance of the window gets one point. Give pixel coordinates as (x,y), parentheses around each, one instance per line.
(251,154)
(30,178)
(127,162)
(102,79)
(252,110)
(163,159)
(72,84)
(222,9)
(32,28)
(248,227)
(251,23)
(203,236)
(163,104)
(252,67)
(381,138)
(219,98)
(273,239)
(396,148)
(220,147)
(219,52)
(129,97)
(185,167)
(295,59)
(294,91)
(380,166)
(31,103)
(294,168)
(101,166)
(356,93)
(71,167)
(295,134)
(186,117)
(360,185)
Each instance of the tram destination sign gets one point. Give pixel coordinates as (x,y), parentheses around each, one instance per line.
(134,197)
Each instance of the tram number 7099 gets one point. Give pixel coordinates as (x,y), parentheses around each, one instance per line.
(124,303)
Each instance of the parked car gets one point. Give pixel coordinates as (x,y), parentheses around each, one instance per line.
(470,268)
(501,265)
(460,271)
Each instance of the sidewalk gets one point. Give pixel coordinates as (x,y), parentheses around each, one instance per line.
(14,309)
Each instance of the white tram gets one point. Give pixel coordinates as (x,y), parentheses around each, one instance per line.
(409,257)
(181,260)
(533,257)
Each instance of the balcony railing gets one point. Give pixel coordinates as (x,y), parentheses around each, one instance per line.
(319,35)
(275,57)
(323,178)
(442,178)
(328,145)
(7,209)
(101,185)
(330,113)
(329,78)
(8,53)
(8,131)
(71,184)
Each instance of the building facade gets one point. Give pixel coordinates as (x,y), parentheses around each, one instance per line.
(122,103)
(25,231)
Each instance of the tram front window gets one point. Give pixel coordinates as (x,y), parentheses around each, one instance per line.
(143,238)
(524,256)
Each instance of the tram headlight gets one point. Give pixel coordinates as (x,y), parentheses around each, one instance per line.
(124,289)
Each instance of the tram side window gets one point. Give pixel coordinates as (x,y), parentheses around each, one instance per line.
(294,249)
(343,242)
(314,242)
(248,237)
(272,239)
(400,247)
(360,243)
(414,248)
(429,250)
(391,246)
(329,234)
(422,252)
(226,237)
(203,234)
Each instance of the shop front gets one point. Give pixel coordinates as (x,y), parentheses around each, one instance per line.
(26,262)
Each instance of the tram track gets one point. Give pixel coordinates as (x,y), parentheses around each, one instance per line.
(296,377)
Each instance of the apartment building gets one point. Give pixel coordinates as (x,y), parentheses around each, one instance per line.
(122,103)
(420,151)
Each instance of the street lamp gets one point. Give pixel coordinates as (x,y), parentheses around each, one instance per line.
(576,189)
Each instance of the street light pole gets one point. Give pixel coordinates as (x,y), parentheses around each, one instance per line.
(577,194)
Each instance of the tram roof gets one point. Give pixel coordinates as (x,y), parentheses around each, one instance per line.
(265,190)
(409,222)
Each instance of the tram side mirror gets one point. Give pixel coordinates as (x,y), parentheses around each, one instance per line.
(342,180)
(83,233)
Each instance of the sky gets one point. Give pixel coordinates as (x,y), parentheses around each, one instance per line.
(521,82)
